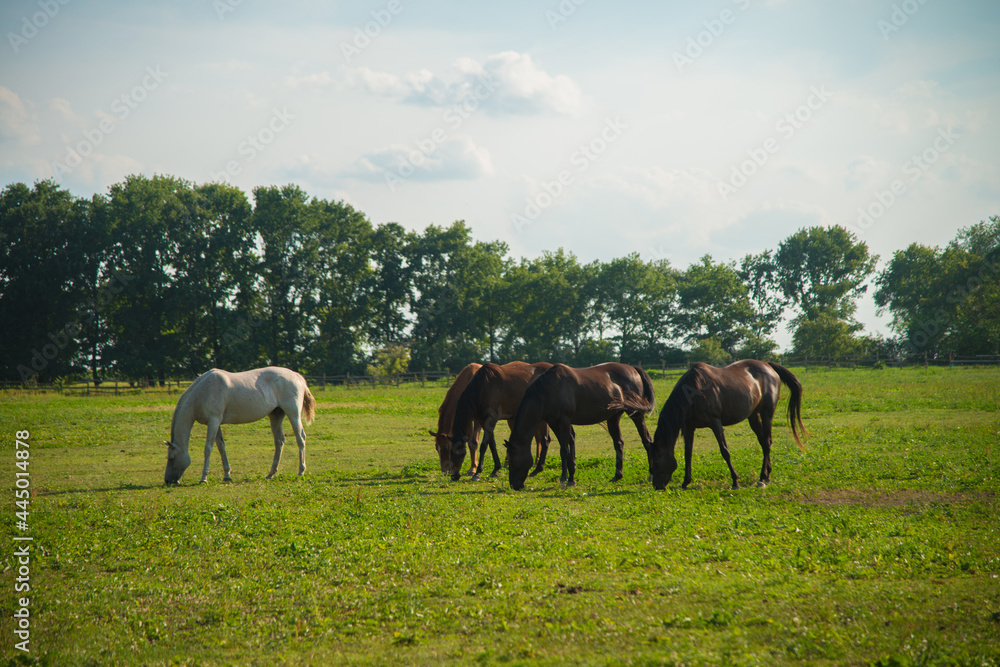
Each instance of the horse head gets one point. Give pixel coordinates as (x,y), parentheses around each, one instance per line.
(442,443)
(662,462)
(519,462)
(458,446)
(177,463)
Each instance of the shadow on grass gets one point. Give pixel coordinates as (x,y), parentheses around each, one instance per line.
(107,489)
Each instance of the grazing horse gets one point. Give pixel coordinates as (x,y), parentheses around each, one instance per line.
(494,394)
(446,420)
(710,397)
(565,396)
(220,397)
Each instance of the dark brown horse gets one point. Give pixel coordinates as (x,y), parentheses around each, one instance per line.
(710,397)
(446,420)
(493,394)
(565,396)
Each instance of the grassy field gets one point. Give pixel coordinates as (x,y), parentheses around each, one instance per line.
(880,545)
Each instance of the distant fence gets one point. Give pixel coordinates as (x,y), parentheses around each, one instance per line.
(117,387)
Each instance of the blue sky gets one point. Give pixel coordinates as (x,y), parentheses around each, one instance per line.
(603,128)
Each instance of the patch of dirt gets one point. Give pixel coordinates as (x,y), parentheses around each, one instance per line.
(902,498)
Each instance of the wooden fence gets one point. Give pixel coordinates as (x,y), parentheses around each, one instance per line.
(118,387)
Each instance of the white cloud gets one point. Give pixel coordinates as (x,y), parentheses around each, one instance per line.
(314,81)
(507,82)
(454,159)
(17,121)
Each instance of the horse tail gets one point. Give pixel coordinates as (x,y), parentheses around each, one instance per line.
(308,407)
(648,395)
(794,402)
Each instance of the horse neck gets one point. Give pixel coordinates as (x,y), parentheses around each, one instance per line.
(671,419)
(182,422)
(527,419)
(462,421)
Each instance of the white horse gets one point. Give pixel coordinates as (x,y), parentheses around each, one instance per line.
(220,397)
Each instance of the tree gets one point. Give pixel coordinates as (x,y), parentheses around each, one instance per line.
(635,299)
(343,270)
(760,275)
(549,301)
(453,299)
(947,300)
(822,271)
(390,284)
(152,223)
(43,270)
(713,303)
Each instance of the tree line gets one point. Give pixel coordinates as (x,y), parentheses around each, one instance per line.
(160,277)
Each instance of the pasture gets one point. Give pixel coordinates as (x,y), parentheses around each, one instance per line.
(879,545)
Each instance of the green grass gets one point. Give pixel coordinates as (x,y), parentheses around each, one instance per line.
(879,545)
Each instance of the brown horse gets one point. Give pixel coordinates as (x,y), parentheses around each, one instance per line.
(446,420)
(494,394)
(710,397)
(565,396)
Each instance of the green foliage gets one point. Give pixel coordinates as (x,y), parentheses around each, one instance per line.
(822,271)
(710,351)
(390,361)
(878,544)
(162,278)
(946,300)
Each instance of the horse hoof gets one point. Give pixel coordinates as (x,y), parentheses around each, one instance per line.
(475,478)
(227,479)
(616,478)
(761,484)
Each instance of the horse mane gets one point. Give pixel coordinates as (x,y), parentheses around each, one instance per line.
(692,383)
(472,396)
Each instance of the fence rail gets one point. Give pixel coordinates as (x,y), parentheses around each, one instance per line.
(119,387)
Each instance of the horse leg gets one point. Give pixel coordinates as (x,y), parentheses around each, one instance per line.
(639,419)
(213,429)
(474,450)
(688,455)
(300,439)
(615,430)
(543,438)
(720,435)
(493,450)
(279,441)
(486,442)
(567,451)
(222,452)
(761,426)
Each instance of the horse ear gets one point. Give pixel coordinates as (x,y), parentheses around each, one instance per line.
(506,444)
(432,433)
(170,444)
